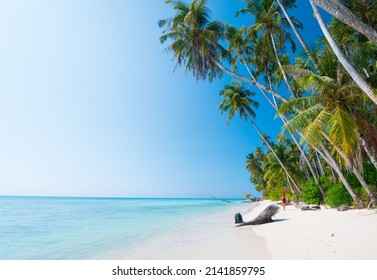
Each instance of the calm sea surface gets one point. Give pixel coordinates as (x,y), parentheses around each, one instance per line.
(90,228)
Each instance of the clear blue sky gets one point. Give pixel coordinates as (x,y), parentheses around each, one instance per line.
(90,105)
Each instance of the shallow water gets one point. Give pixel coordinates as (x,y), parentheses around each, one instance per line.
(90,228)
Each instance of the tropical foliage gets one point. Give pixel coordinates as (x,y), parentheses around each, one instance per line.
(325,96)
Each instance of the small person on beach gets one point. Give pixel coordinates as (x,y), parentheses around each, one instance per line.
(283,201)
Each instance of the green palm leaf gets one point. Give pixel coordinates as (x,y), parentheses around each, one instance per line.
(342,130)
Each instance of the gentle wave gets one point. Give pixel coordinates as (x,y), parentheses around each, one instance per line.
(89,228)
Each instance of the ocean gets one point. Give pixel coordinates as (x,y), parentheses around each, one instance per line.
(60,228)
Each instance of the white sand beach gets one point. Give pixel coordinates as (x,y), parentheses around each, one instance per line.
(325,234)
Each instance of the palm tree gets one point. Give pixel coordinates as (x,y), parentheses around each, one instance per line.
(325,115)
(195,38)
(195,42)
(247,195)
(369,150)
(288,153)
(237,101)
(341,12)
(326,155)
(352,71)
(294,28)
(241,47)
(352,165)
(271,29)
(254,164)
(365,10)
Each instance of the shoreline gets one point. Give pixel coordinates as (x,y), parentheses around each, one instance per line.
(210,237)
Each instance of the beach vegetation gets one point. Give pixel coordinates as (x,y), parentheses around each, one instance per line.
(272,194)
(247,195)
(325,95)
(370,175)
(363,195)
(310,193)
(337,195)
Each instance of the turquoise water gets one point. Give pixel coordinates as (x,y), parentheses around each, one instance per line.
(55,228)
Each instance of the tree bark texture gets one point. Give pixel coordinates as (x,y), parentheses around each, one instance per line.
(342,59)
(341,12)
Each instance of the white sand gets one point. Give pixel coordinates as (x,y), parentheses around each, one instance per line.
(325,234)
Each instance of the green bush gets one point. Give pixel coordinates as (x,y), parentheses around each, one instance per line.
(358,188)
(275,194)
(370,175)
(325,182)
(337,195)
(272,194)
(310,193)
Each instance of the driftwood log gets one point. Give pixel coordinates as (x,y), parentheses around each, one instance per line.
(238,218)
(264,217)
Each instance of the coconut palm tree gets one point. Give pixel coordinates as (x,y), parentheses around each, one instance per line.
(341,12)
(241,49)
(326,155)
(272,29)
(352,71)
(254,164)
(195,39)
(288,153)
(331,78)
(325,115)
(236,100)
(365,10)
(247,195)
(289,4)
(352,166)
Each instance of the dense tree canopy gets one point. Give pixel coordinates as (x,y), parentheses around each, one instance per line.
(325,97)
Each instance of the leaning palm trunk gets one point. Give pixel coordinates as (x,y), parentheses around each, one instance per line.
(273,152)
(331,161)
(341,12)
(354,169)
(369,150)
(319,164)
(250,81)
(284,120)
(342,59)
(280,65)
(303,154)
(364,184)
(290,188)
(295,185)
(298,35)
(316,168)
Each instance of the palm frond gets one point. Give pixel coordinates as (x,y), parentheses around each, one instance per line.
(342,130)
(297,105)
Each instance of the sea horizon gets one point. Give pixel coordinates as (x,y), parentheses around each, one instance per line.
(57,227)
(124,197)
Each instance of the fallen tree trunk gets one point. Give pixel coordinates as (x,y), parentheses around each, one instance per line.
(264,217)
